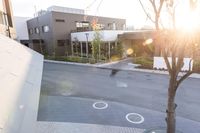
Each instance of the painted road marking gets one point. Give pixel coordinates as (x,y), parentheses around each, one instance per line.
(134,118)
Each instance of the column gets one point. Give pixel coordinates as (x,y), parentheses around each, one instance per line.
(87,49)
(72,49)
(81,49)
(109,50)
(99,51)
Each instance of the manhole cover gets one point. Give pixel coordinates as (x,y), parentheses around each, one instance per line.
(134,118)
(100,105)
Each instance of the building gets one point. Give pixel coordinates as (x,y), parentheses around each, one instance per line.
(6,19)
(81,43)
(22,30)
(136,40)
(50,32)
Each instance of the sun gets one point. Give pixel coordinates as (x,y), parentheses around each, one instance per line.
(188,19)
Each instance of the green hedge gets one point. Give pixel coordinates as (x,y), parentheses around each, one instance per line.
(145,62)
(71,59)
(196,65)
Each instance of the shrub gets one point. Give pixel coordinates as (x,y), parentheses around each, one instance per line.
(196,65)
(144,61)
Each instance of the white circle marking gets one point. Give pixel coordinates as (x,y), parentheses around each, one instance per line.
(135,122)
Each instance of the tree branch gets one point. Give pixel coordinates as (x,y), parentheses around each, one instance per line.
(180,61)
(160,7)
(146,12)
(154,7)
(184,77)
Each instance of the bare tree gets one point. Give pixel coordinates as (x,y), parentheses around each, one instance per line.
(177,45)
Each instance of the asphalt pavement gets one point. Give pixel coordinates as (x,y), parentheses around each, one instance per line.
(69,92)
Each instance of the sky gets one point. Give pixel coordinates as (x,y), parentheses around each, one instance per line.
(128,9)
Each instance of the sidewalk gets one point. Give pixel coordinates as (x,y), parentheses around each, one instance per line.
(66,127)
(125,65)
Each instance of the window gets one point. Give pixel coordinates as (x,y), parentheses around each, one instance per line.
(30,31)
(82,24)
(61,43)
(45,28)
(60,20)
(37,31)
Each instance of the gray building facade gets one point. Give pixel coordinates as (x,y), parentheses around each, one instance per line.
(49,33)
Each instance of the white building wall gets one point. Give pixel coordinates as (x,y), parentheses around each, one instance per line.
(20,76)
(159,63)
(106,35)
(65,10)
(21,28)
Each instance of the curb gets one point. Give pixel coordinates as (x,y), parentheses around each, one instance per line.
(111,63)
(69,63)
(194,75)
(104,66)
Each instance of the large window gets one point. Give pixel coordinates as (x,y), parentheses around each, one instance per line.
(61,43)
(37,31)
(30,31)
(45,28)
(82,26)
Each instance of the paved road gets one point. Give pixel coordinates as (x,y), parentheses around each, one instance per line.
(69,91)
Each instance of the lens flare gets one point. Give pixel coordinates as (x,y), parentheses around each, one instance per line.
(129,51)
(148,41)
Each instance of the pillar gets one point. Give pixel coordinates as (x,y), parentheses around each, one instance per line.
(72,48)
(109,50)
(99,51)
(87,49)
(81,49)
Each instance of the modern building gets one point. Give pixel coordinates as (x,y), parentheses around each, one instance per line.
(81,42)
(136,40)
(22,30)
(6,19)
(50,31)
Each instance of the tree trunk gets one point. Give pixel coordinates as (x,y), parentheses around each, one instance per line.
(171,121)
(157,22)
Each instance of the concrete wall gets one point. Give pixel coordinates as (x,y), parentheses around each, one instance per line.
(20,76)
